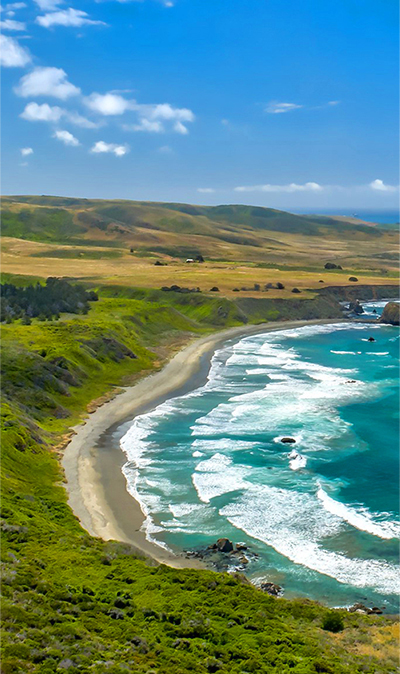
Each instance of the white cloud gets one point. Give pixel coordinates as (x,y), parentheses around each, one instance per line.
(46,113)
(147,125)
(181,128)
(67,17)
(15,5)
(26,151)
(12,55)
(10,24)
(380,186)
(78,120)
(151,117)
(49,5)
(42,113)
(107,104)
(46,82)
(274,107)
(102,147)
(67,138)
(333,103)
(205,190)
(165,149)
(292,187)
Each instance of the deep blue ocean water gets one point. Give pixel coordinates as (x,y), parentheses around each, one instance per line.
(383,217)
(323,513)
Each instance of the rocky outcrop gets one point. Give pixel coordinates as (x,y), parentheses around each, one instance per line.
(272,589)
(356,308)
(224,545)
(391,314)
(288,441)
(224,556)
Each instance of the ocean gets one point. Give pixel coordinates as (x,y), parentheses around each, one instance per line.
(389,218)
(322,514)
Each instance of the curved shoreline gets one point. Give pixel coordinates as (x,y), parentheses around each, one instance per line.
(92,460)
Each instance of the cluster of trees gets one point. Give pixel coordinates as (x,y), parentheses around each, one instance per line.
(43,301)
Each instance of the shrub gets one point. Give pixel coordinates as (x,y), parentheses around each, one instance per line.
(333,622)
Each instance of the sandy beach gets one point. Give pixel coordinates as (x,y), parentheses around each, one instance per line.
(93,459)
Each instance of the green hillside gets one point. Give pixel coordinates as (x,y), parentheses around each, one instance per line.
(73,602)
(59,219)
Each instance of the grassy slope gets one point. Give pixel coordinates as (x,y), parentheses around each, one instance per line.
(235,233)
(70,597)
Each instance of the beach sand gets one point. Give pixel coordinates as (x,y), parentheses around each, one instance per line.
(93,459)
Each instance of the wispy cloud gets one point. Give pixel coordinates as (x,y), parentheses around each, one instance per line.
(380,186)
(291,187)
(67,17)
(26,151)
(12,55)
(11,24)
(66,137)
(35,112)
(46,82)
(276,108)
(206,190)
(12,6)
(165,149)
(101,147)
(49,5)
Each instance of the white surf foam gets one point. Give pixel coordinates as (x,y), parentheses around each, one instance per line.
(297,462)
(217,476)
(360,518)
(293,524)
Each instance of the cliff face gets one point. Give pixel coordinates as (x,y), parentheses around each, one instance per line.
(391,314)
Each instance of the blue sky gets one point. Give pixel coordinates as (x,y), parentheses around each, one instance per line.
(283,104)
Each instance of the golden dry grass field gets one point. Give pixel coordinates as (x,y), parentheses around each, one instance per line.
(118,242)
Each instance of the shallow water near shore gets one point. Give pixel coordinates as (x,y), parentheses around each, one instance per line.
(322,513)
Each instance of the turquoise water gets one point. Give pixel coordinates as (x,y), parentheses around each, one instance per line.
(322,514)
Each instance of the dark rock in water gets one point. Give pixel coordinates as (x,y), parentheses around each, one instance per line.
(356,308)
(371,339)
(272,589)
(224,545)
(289,441)
(351,381)
(374,311)
(358,608)
(224,556)
(391,314)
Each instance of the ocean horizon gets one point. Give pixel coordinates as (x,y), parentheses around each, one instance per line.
(320,517)
(389,216)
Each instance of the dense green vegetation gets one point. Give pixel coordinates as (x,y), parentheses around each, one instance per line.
(43,300)
(72,602)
